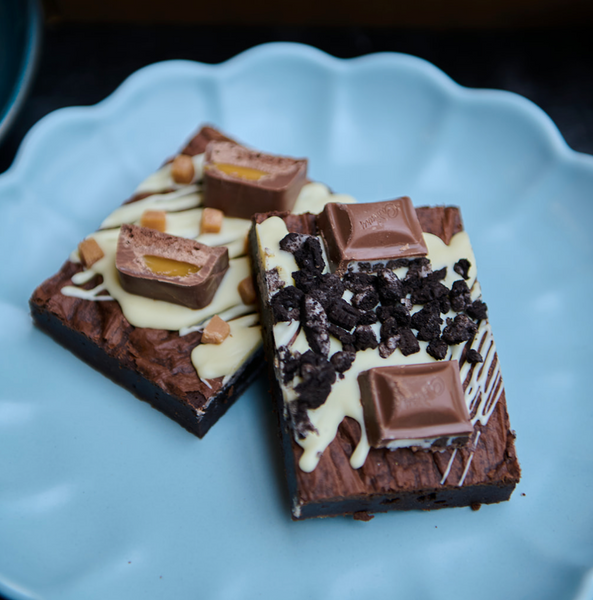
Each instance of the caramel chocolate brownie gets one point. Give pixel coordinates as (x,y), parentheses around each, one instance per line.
(158,298)
(385,375)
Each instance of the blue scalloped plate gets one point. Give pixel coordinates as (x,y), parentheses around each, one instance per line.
(103,497)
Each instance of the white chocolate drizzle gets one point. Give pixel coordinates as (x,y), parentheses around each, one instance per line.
(219,360)
(94,294)
(314,196)
(183,219)
(181,199)
(481,392)
(161,180)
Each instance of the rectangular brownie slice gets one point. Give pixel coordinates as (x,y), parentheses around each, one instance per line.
(370,318)
(155,348)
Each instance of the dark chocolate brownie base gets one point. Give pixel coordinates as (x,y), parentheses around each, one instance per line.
(154,365)
(390,480)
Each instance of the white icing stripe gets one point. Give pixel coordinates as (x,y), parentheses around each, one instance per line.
(269,234)
(227,315)
(314,196)
(162,180)
(186,197)
(184,223)
(221,360)
(76,292)
(449,465)
(82,277)
(237,248)
(469,460)
(232,229)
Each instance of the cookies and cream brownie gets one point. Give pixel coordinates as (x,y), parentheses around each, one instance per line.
(160,298)
(385,373)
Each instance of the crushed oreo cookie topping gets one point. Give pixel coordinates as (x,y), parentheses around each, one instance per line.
(461,267)
(350,308)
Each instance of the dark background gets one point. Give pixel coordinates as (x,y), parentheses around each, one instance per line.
(82,63)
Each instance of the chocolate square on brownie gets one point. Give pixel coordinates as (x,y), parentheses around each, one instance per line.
(328,334)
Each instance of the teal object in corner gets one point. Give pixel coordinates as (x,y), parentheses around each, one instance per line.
(103,497)
(20,33)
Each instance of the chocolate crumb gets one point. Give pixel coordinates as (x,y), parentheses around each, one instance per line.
(318,376)
(306,250)
(293,242)
(367,318)
(387,346)
(364,338)
(460,329)
(343,314)
(362,515)
(478,310)
(314,320)
(366,299)
(437,275)
(273,280)
(419,268)
(398,263)
(460,296)
(461,267)
(390,287)
(342,335)
(473,357)
(327,289)
(286,304)
(428,322)
(398,311)
(342,361)
(389,328)
(408,344)
(291,364)
(428,290)
(356,282)
(305,280)
(475,506)
(437,348)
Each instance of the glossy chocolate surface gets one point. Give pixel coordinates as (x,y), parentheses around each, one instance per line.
(206,266)
(370,232)
(276,189)
(421,401)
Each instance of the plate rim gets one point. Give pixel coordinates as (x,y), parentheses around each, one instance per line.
(284,50)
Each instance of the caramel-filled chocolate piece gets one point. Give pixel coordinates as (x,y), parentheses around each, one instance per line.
(165,267)
(417,402)
(242,182)
(373,232)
